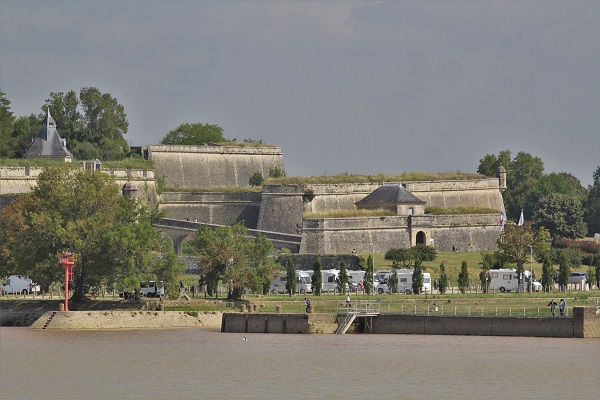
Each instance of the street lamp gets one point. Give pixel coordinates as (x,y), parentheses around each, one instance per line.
(530,268)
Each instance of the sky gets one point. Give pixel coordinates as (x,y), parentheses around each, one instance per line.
(358,87)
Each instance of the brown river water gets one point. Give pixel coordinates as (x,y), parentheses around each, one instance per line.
(200,363)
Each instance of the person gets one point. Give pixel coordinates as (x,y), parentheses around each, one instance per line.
(562,305)
(348,301)
(307,303)
(552,306)
(435,283)
(360,285)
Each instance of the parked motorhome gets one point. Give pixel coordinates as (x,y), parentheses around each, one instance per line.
(19,284)
(504,280)
(404,281)
(303,283)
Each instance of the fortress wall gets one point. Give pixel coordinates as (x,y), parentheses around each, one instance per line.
(345,235)
(469,232)
(212,166)
(213,208)
(451,194)
(473,232)
(338,196)
(281,209)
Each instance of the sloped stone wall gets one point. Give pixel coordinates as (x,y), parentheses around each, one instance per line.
(281,209)
(212,166)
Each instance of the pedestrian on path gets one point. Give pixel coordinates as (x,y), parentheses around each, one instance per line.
(348,301)
(552,306)
(562,305)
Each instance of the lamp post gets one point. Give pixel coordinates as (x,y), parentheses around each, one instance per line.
(530,268)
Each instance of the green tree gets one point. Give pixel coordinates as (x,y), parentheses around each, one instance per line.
(443,283)
(424,252)
(564,270)
(463,277)
(592,205)
(290,269)
(7,119)
(597,271)
(317,278)
(112,237)
(256,179)
(227,255)
(342,282)
(487,260)
(515,241)
(417,278)
(393,280)
(546,280)
(399,255)
(368,284)
(194,134)
(562,215)
(93,124)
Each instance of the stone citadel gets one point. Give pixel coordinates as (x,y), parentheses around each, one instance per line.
(200,179)
(203,175)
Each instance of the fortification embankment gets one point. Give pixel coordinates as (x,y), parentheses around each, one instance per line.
(213,166)
(213,208)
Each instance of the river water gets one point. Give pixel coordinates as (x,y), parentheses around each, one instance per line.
(200,363)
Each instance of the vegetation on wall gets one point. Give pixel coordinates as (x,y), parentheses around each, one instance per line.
(460,210)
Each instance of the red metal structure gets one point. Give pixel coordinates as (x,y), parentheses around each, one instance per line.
(67,259)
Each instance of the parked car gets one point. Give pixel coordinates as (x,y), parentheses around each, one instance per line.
(577,277)
(537,286)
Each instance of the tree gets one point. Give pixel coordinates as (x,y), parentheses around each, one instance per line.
(443,283)
(112,237)
(393,280)
(562,215)
(317,278)
(417,278)
(290,269)
(398,255)
(486,264)
(194,134)
(463,277)
(227,255)
(546,280)
(342,282)
(597,271)
(256,179)
(95,118)
(592,205)
(515,241)
(6,127)
(424,252)
(368,284)
(564,270)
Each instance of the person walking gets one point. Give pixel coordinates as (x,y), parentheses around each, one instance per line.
(307,304)
(348,301)
(562,305)
(552,306)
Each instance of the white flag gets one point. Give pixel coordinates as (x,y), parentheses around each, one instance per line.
(521,220)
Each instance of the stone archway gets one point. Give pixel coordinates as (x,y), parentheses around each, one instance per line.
(421,238)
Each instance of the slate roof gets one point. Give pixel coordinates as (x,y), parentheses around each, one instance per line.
(48,143)
(391,194)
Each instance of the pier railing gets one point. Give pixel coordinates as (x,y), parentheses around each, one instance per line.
(359,308)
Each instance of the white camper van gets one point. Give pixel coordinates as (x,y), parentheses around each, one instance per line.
(152,289)
(19,284)
(504,280)
(404,281)
(303,283)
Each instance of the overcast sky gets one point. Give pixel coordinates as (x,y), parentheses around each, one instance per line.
(360,87)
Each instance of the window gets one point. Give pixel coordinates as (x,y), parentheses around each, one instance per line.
(494,274)
(411,211)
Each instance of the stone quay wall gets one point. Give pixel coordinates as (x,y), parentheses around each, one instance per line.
(278,323)
(212,166)
(584,324)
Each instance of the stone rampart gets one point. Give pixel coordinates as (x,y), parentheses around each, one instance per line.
(329,197)
(281,208)
(213,166)
(460,193)
(213,208)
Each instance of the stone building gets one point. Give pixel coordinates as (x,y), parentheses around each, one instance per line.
(49,144)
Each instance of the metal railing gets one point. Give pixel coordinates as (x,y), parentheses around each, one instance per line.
(359,307)
(475,311)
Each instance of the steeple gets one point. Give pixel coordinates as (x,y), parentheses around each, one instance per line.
(48,144)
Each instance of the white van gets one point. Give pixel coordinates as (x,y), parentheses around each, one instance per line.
(303,283)
(152,289)
(19,284)
(404,281)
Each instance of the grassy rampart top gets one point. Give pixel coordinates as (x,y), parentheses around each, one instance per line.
(377,178)
(127,163)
